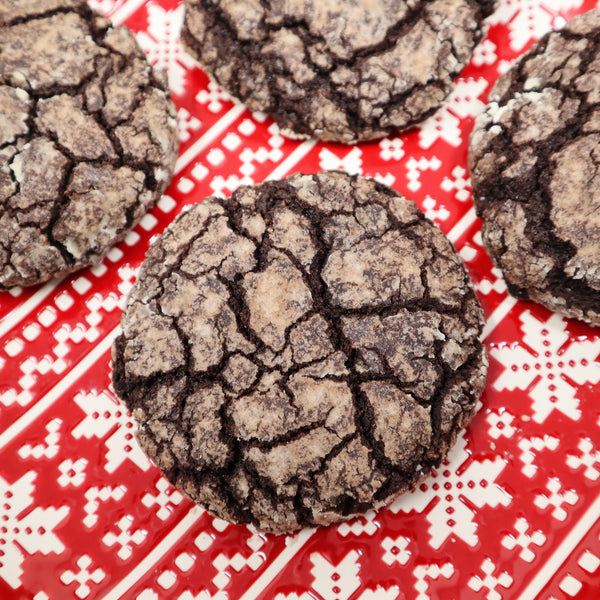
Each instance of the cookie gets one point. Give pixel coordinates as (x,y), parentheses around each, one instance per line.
(88,138)
(346,71)
(301,352)
(534,157)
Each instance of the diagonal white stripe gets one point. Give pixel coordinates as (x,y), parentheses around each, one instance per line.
(497,316)
(209,136)
(295,157)
(124,586)
(19,313)
(565,549)
(293,546)
(55,393)
(467,220)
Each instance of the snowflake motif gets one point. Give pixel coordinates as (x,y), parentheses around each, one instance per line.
(214,97)
(414,168)
(83,576)
(351,163)
(445,123)
(443,492)
(396,550)
(359,526)
(187,123)
(522,541)
(442,125)
(489,581)
(433,571)
(530,447)
(485,53)
(487,286)
(32,532)
(124,538)
(550,364)
(166,498)
(103,415)
(500,424)
(49,447)
(432,212)
(458,184)
(530,19)
(589,458)
(335,582)
(72,472)
(556,499)
(161,44)
(391,149)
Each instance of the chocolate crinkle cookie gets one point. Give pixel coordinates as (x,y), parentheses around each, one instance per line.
(340,70)
(534,157)
(88,137)
(301,352)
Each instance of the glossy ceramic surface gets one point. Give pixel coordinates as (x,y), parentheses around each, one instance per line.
(514,514)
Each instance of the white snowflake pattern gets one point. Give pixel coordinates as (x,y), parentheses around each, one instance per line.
(432,211)
(104,414)
(530,448)
(161,43)
(589,458)
(445,123)
(485,53)
(530,19)
(83,576)
(414,168)
(521,541)
(361,525)
(335,582)
(444,492)
(391,148)
(549,363)
(489,581)
(32,532)
(49,447)
(351,163)
(432,571)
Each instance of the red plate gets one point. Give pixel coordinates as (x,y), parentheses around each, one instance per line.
(514,514)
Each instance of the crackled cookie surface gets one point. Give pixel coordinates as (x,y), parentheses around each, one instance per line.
(300,352)
(534,158)
(88,137)
(346,70)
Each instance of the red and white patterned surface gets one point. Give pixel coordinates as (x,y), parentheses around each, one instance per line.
(515,514)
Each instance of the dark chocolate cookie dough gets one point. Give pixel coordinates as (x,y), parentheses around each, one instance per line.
(88,137)
(301,352)
(341,70)
(534,158)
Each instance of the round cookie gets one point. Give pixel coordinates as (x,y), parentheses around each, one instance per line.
(346,71)
(534,157)
(301,352)
(88,137)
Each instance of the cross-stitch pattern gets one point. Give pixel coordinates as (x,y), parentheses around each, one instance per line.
(513,514)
